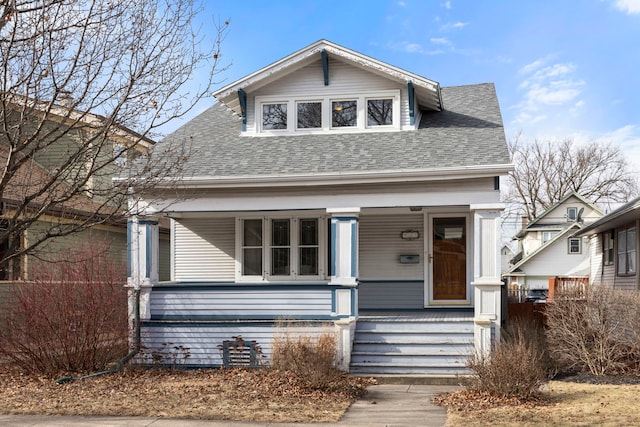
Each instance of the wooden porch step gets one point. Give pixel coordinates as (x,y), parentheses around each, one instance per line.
(424,344)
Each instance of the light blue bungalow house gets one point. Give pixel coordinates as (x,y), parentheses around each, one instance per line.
(342,194)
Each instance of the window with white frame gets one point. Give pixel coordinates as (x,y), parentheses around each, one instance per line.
(379,112)
(309,115)
(289,248)
(548,235)
(626,239)
(572,214)
(344,112)
(575,245)
(274,116)
(607,248)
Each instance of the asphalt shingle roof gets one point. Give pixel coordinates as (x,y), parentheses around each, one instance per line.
(468,132)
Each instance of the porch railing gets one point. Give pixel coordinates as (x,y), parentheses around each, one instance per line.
(573,287)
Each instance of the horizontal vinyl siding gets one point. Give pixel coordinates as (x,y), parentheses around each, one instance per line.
(205,249)
(627,283)
(241,303)
(381,247)
(200,341)
(391,295)
(608,274)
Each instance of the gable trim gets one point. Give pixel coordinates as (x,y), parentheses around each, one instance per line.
(428,93)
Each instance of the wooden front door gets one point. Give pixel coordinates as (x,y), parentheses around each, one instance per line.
(448,258)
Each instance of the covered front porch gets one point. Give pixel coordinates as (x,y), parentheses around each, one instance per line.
(431,271)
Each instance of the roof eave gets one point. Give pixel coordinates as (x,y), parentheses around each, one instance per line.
(344,178)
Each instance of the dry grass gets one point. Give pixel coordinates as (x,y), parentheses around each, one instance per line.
(228,394)
(564,404)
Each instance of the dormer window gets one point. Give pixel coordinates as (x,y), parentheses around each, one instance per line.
(379,112)
(274,116)
(328,113)
(344,113)
(309,115)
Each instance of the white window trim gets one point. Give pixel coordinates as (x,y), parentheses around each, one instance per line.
(628,272)
(608,248)
(572,239)
(326,100)
(294,246)
(575,214)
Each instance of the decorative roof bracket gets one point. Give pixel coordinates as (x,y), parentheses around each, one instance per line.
(412,103)
(325,66)
(242,98)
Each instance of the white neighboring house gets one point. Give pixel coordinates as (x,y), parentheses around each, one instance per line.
(614,242)
(332,189)
(547,245)
(506,257)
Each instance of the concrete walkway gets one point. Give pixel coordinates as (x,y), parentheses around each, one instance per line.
(388,405)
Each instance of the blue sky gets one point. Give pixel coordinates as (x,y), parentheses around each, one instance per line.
(561,68)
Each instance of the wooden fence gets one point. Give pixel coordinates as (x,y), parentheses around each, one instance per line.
(575,287)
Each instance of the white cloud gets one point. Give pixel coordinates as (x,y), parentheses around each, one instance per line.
(401,4)
(548,89)
(529,68)
(629,7)
(446,5)
(554,71)
(439,40)
(412,47)
(453,26)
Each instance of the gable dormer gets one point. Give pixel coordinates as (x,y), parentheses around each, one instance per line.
(326,88)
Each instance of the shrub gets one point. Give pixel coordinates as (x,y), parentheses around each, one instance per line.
(311,358)
(515,367)
(72,317)
(598,332)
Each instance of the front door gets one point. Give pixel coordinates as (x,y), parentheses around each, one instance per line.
(448,259)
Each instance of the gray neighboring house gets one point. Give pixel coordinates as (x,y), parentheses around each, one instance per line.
(339,193)
(614,247)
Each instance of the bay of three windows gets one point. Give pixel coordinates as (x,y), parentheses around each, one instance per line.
(281,247)
(344,113)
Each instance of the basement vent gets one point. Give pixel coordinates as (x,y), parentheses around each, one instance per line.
(238,353)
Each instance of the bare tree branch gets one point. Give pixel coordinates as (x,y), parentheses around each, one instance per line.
(545,172)
(85,86)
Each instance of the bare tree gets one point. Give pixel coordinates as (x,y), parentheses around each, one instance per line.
(547,171)
(85,86)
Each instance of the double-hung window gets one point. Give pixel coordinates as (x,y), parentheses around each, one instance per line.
(575,245)
(281,248)
(626,251)
(607,248)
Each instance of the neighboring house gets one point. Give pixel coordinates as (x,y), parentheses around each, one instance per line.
(65,128)
(547,246)
(333,190)
(506,256)
(614,247)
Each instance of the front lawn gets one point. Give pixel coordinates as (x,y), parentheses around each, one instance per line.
(226,394)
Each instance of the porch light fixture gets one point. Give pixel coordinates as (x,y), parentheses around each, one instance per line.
(410,235)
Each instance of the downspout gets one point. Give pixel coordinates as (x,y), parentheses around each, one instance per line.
(134,351)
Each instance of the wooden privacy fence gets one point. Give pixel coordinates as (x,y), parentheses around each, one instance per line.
(574,287)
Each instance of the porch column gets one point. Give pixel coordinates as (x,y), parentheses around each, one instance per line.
(142,261)
(344,246)
(344,273)
(487,282)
